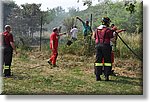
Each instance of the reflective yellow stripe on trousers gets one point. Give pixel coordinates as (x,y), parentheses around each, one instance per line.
(107,64)
(5,67)
(98,64)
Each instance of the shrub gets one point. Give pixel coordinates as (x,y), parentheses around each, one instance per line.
(134,41)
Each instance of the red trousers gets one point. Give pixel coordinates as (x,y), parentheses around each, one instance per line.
(53,56)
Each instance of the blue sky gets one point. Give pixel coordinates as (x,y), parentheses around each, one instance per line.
(54,3)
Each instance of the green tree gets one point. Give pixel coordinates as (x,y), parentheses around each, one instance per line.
(129,4)
(59,10)
(72,11)
(87,2)
(51,14)
(69,23)
(32,15)
(7,7)
(117,13)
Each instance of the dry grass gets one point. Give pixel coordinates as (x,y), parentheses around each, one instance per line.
(75,75)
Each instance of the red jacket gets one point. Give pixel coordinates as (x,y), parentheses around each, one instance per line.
(54,38)
(8,37)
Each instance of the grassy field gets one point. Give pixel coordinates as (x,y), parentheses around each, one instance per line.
(33,75)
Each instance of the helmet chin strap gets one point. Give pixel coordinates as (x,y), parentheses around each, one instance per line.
(107,25)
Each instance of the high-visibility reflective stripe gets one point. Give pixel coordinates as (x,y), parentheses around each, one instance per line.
(107,64)
(3,68)
(98,64)
(6,67)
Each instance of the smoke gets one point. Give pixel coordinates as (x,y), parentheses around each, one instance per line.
(58,21)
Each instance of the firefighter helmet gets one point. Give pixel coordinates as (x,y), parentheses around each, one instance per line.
(55,29)
(7,27)
(106,20)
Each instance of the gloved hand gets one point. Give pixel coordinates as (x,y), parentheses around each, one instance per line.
(123,30)
(64,33)
(77,17)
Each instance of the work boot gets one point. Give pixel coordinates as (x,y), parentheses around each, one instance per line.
(112,73)
(106,78)
(98,78)
(49,62)
(54,65)
(7,73)
(7,76)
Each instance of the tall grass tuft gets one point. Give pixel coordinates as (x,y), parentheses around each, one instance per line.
(134,41)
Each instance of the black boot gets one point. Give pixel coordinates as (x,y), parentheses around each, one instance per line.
(7,73)
(98,78)
(49,62)
(54,65)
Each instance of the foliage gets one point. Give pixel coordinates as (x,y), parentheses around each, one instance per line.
(69,23)
(33,75)
(59,10)
(20,19)
(23,56)
(7,9)
(129,4)
(73,11)
(55,17)
(51,14)
(87,2)
(118,15)
(28,19)
(130,8)
(74,49)
(134,41)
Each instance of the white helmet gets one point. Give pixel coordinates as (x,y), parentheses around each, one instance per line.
(55,29)
(7,26)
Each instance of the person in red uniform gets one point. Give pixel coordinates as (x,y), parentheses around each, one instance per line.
(8,44)
(54,37)
(102,37)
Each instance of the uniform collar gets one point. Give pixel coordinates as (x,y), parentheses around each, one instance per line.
(6,32)
(101,27)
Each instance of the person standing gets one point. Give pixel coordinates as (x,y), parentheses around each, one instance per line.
(103,49)
(9,46)
(74,32)
(87,32)
(113,41)
(54,37)
(86,27)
